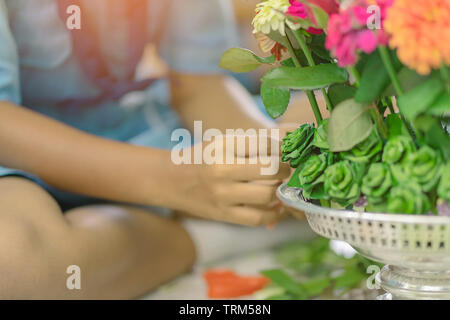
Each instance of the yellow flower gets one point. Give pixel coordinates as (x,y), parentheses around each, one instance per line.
(420,31)
(270,17)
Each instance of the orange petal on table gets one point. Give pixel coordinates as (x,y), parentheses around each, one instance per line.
(224,284)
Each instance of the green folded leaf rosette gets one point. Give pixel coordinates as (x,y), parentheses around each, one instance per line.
(320,136)
(408,198)
(342,182)
(397,149)
(366,151)
(296,146)
(424,167)
(444,185)
(311,176)
(376,183)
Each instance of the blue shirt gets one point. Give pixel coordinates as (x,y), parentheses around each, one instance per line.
(38,68)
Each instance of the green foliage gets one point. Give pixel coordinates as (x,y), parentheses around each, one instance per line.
(408,198)
(342,181)
(366,151)
(444,186)
(311,176)
(296,146)
(441,106)
(350,123)
(242,60)
(424,167)
(340,92)
(306,78)
(377,183)
(397,149)
(276,100)
(408,79)
(311,269)
(421,98)
(320,136)
(374,80)
(403,157)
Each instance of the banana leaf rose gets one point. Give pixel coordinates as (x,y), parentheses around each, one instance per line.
(444,185)
(397,149)
(408,198)
(311,176)
(367,151)
(424,167)
(376,183)
(296,146)
(342,182)
(320,136)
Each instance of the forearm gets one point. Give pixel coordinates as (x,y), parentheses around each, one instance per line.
(81,163)
(219,101)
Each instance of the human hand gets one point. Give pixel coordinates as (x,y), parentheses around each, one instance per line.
(242,191)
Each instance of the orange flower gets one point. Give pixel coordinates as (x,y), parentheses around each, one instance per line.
(420,31)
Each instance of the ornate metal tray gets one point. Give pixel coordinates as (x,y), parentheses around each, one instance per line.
(415,249)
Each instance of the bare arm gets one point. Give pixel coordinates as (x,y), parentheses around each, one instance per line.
(219,101)
(78,162)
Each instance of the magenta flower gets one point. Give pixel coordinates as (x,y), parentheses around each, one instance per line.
(297,9)
(300,10)
(348,33)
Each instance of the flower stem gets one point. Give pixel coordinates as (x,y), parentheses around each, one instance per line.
(446,76)
(301,41)
(354,72)
(310,94)
(386,58)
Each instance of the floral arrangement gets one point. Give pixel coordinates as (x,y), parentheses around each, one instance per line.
(382,67)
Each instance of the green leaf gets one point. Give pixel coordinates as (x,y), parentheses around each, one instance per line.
(396,126)
(285,281)
(242,60)
(436,137)
(374,79)
(276,100)
(294,182)
(350,123)
(420,98)
(320,15)
(349,279)
(308,78)
(340,92)
(317,46)
(315,287)
(408,79)
(288,63)
(440,106)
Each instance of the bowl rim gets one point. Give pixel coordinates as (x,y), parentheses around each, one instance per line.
(348,214)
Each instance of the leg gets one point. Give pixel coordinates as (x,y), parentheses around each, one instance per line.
(122,252)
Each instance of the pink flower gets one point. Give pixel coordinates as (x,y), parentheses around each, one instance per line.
(297,9)
(348,33)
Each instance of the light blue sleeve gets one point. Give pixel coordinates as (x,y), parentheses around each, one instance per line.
(9,60)
(196,34)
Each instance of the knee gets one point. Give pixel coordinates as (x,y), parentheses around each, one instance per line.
(182,244)
(21,261)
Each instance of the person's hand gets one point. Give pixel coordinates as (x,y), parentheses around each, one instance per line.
(241,193)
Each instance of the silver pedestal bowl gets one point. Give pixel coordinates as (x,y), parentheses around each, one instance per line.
(415,249)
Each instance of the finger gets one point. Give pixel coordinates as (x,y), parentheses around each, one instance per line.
(251,216)
(247,193)
(273,170)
